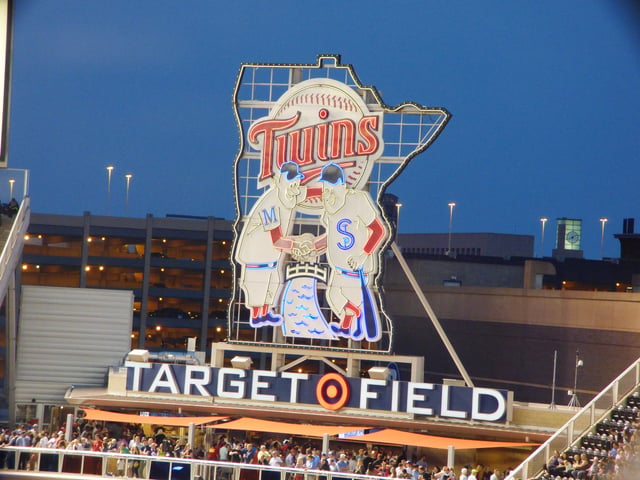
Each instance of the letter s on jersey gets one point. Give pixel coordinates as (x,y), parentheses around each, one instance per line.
(348,239)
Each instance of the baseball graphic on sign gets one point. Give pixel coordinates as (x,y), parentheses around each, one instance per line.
(318,122)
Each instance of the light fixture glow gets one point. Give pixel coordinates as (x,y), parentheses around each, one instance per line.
(603,221)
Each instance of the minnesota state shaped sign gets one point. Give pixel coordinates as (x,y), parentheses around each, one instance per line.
(317,151)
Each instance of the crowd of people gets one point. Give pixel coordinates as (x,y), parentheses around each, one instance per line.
(287,452)
(619,461)
(619,458)
(379,462)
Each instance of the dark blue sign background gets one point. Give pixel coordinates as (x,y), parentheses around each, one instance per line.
(460,398)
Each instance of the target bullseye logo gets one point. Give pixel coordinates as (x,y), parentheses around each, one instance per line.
(332,391)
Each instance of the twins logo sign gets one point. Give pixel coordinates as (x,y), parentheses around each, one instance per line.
(309,234)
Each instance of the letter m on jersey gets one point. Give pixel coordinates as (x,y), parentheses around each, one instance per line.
(269,217)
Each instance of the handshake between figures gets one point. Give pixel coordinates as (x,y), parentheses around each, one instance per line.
(307,247)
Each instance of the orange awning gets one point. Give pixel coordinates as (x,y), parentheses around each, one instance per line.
(390,436)
(254,424)
(94,414)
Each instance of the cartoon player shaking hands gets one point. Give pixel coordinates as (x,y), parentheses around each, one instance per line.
(263,243)
(353,234)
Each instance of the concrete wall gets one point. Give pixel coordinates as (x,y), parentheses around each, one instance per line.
(502,245)
(506,337)
(436,271)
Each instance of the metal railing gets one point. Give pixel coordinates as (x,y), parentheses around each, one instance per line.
(12,249)
(48,463)
(581,423)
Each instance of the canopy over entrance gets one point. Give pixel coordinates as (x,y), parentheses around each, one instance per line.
(257,425)
(390,436)
(94,414)
(386,436)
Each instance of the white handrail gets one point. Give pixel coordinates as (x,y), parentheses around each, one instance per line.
(12,249)
(87,464)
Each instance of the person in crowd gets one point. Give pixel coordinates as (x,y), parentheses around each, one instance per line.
(553,462)
(24,440)
(135,464)
(443,474)
(234,455)
(464,473)
(223,452)
(12,208)
(324,462)
(343,463)
(250,454)
(291,458)
(423,473)
(313,458)
(276,459)
(580,466)
(367,460)
(263,455)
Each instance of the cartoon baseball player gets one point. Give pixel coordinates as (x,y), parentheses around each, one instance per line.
(354,233)
(263,242)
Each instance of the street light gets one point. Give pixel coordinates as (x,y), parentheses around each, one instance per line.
(398,205)
(603,221)
(451,205)
(543,220)
(11,182)
(128,177)
(109,171)
(574,402)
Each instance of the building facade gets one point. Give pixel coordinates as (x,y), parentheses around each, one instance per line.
(177,267)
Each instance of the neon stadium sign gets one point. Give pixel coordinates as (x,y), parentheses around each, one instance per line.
(329,392)
(318,150)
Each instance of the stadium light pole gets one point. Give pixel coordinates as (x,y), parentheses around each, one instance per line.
(128,177)
(543,221)
(109,172)
(602,221)
(574,402)
(451,205)
(552,405)
(398,205)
